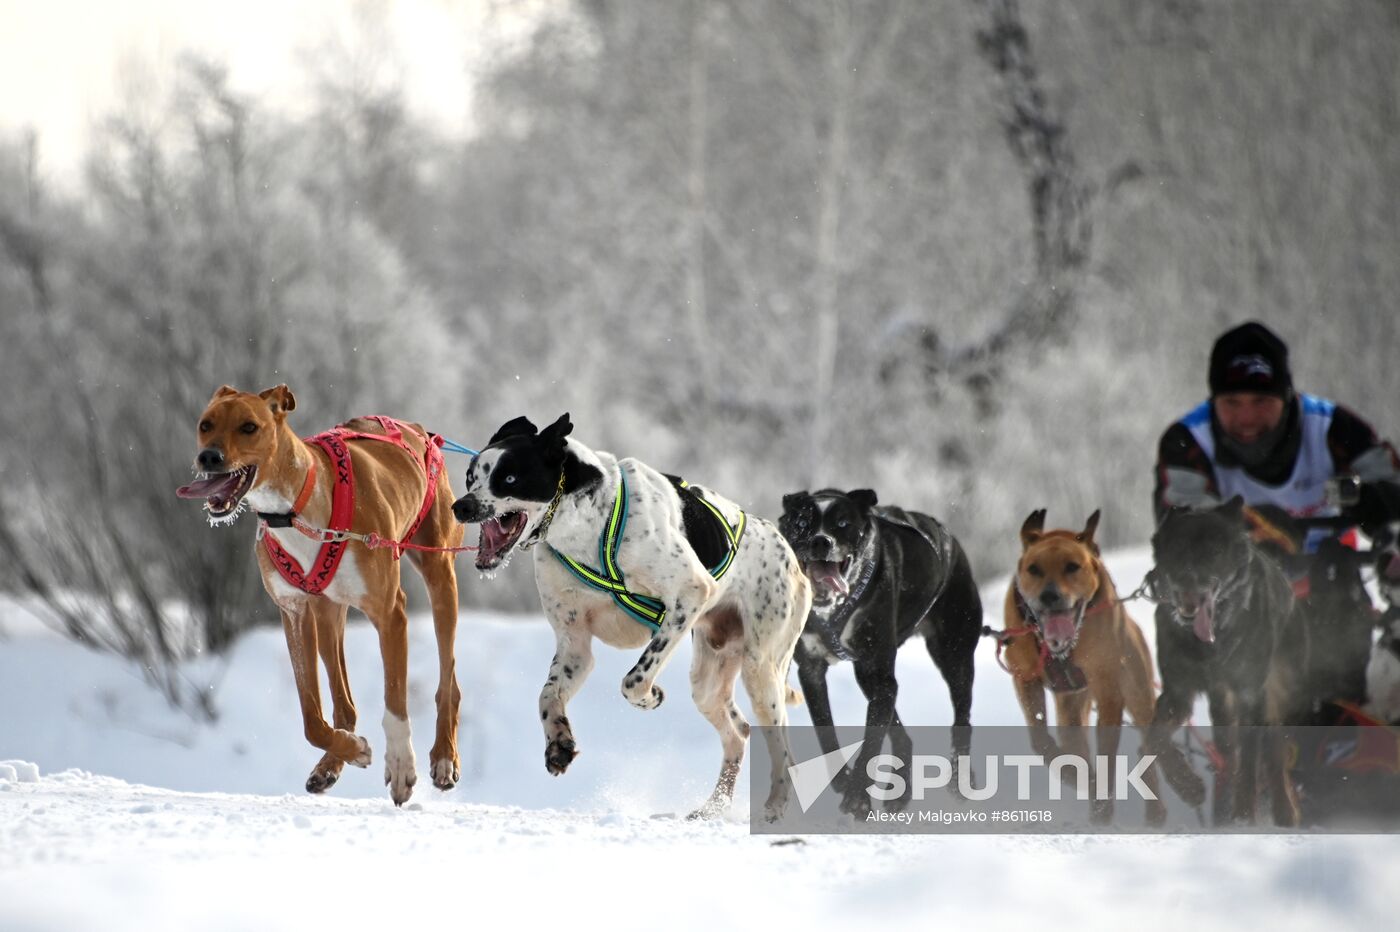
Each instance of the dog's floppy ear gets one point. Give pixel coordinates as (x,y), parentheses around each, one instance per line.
(1030,531)
(515,427)
(555,433)
(279,398)
(793,500)
(865,499)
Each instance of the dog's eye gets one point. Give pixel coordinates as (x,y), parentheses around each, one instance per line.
(1071,567)
(249,428)
(842,523)
(205,427)
(1035,570)
(510,480)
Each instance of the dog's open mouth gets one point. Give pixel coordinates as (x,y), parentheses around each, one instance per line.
(828,578)
(498,535)
(1061,629)
(1198,607)
(222,492)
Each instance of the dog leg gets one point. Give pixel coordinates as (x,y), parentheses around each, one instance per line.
(712,675)
(767,689)
(952,631)
(299,626)
(1172,710)
(877,683)
(1224,731)
(639,685)
(1107,736)
(811,673)
(1283,795)
(1030,693)
(573,661)
(1072,732)
(400,766)
(330,639)
(1137,694)
(441,579)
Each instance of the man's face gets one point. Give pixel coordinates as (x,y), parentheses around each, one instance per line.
(1247,416)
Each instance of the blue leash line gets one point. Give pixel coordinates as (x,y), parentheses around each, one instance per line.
(454,447)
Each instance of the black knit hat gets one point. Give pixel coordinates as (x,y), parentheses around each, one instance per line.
(1250,358)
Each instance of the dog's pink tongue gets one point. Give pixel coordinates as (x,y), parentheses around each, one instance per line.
(493,536)
(1059,626)
(208,488)
(1204,624)
(829,575)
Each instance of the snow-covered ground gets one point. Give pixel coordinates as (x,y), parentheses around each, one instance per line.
(117,813)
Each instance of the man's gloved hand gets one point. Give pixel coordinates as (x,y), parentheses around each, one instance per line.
(1379,505)
(1270,525)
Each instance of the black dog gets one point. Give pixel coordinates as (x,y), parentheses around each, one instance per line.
(1383,670)
(880,574)
(1226,626)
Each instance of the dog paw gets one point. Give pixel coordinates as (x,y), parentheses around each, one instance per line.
(559,754)
(1189,786)
(446,773)
(400,784)
(365,755)
(856,803)
(774,806)
(713,809)
(643,696)
(321,779)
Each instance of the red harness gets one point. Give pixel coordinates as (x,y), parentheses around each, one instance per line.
(1062,675)
(334,442)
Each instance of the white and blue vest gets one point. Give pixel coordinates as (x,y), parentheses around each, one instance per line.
(1304,493)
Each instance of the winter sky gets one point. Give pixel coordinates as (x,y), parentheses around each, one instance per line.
(63,63)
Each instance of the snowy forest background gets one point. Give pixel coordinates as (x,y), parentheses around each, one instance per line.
(971,254)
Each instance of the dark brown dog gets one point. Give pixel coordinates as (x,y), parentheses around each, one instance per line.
(248,455)
(1076,638)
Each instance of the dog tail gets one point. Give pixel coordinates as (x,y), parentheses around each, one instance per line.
(794,697)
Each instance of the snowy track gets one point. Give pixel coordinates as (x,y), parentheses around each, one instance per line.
(205,825)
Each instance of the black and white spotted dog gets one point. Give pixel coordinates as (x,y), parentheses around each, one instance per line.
(1383,670)
(543,487)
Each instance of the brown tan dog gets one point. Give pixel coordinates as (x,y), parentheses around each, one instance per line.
(381,480)
(1067,630)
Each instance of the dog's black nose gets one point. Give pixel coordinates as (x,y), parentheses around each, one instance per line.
(1050,596)
(464,509)
(210,459)
(821,546)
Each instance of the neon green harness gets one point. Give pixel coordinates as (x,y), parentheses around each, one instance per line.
(646,609)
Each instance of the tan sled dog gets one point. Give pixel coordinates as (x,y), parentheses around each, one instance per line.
(1067,630)
(334,513)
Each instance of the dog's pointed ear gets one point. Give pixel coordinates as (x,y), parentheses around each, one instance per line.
(224,391)
(793,500)
(515,427)
(555,433)
(1030,530)
(865,499)
(1233,509)
(1086,536)
(280,399)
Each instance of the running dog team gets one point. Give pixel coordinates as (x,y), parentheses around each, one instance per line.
(638,559)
